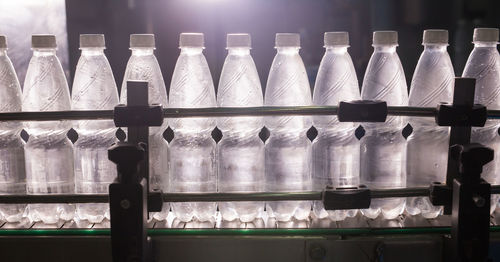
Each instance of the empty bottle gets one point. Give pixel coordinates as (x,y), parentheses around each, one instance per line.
(192,151)
(12,175)
(288,150)
(94,88)
(383,147)
(143,66)
(427,151)
(484,65)
(49,153)
(336,148)
(240,153)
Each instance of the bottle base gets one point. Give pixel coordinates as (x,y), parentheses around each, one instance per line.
(243,211)
(390,208)
(12,213)
(93,213)
(201,211)
(286,210)
(50,213)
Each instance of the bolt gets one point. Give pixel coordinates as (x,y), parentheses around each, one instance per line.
(479,200)
(317,252)
(125,204)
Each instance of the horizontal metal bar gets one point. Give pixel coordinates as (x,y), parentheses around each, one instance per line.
(216,112)
(54,199)
(217,197)
(219,112)
(223,197)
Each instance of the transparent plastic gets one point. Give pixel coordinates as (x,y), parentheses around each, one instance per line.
(12,170)
(94,88)
(383,147)
(288,150)
(240,152)
(144,66)
(192,151)
(48,153)
(336,148)
(427,151)
(484,65)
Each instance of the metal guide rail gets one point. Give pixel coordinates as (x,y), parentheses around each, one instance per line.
(221,112)
(218,197)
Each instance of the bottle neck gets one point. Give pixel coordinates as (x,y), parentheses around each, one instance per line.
(92,51)
(385,48)
(142,51)
(435,47)
(44,51)
(336,49)
(485,44)
(288,49)
(189,50)
(238,51)
(3,51)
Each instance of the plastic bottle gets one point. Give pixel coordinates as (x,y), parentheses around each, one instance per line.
(240,153)
(94,88)
(336,148)
(143,66)
(12,174)
(192,151)
(484,65)
(383,148)
(427,151)
(49,153)
(288,150)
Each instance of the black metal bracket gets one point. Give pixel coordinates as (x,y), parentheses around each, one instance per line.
(128,204)
(129,196)
(346,198)
(362,111)
(471,204)
(452,115)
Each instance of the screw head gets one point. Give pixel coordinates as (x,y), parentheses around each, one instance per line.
(125,204)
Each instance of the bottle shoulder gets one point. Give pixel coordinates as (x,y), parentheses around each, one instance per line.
(10,89)
(239,83)
(336,80)
(433,80)
(145,68)
(45,85)
(385,79)
(288,83)
(192,84)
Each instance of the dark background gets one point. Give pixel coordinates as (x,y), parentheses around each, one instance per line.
(117,19)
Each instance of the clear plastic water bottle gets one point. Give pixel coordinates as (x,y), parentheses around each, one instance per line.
(336,148)
(288,150)
(383,148)
(143,66)
(427,151)
(484,65)
(12,174)
(192,151)
(48,153)
(94,88)
(240,153)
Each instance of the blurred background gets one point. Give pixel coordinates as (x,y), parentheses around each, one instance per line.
(117,19)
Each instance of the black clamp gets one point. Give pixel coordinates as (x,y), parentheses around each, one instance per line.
(346,198)
(128,204)
(149,115)
(362,111)
(452,115)
(471,204)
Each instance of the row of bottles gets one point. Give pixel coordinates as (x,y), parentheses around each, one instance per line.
(240,162)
